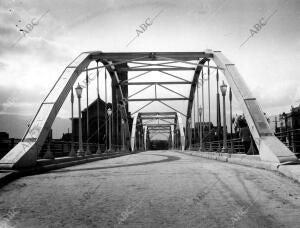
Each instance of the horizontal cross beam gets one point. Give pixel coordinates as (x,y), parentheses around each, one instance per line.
(159,132)
(159,99)
(153,83)
(156,69)
(156,113)
(149,56)
(158,125)
(158,117)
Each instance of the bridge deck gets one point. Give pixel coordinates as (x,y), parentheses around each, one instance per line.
(153,189)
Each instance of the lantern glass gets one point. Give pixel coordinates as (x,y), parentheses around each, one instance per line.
(78,91)
(109,111)
(223,89)
(200,110)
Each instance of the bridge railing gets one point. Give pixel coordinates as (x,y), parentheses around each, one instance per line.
(63,148)
(7,144)
(291,138)
(234,146)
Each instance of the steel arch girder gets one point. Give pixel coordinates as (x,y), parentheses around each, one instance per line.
(172,137)
(133,130)
(270,148)
(182,135)
(145,137)
(192,96)
(25,153)
(116,81)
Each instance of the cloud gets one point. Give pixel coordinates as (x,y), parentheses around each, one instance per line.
(3,66)
(278,94)
(49,51)
(18,100)
(10,33)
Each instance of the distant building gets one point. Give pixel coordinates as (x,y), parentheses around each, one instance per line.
(4,135)
(93,121)
(289,121)
(287,128)
(5,143)
(205,129)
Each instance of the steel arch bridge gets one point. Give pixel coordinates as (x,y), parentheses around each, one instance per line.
(24,154)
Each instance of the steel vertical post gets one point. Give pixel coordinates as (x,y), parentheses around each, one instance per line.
(202,82)
(80,150)
(223,88)
(200,126)
(117,125)
(230,116)
(190,132)
(218,108)
(88,152)
(110,129)
(98,113)
(72,152)
(225,148)
(105,112)
(209,120)
(198,117)
(194,104)
(122,135)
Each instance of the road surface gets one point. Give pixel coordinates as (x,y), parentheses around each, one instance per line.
(152,189)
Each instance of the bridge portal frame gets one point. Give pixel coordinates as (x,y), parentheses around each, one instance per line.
(24,154)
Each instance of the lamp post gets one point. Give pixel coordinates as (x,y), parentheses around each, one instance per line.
(223,89)
(139,143)
(72,152)
(98,113)
(109,112)
(175,131)
(122,135)
(142,141)
(218,108)
(230,104)
(80,151)
(190,133)
(208,91)
(88,152)
(200,126)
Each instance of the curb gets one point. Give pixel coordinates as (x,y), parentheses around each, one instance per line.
(291,171)
(7,176)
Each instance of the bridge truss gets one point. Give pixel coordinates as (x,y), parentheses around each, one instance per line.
(118,65)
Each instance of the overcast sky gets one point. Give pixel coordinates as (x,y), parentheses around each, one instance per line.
(268,61)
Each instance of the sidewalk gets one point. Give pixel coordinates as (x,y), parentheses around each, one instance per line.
(45,165)
(291,170)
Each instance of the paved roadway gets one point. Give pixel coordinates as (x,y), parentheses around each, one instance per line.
(152,189)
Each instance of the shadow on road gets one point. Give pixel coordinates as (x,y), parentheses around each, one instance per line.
(168,159)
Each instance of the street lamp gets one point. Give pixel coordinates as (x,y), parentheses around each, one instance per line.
(223,89)
(190,132)
(78,90)
(122,135)
(88,152)
(72,152)
(230,116)
(109,112)
(200,110)
(139,143)
(141,134)
(98,113)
